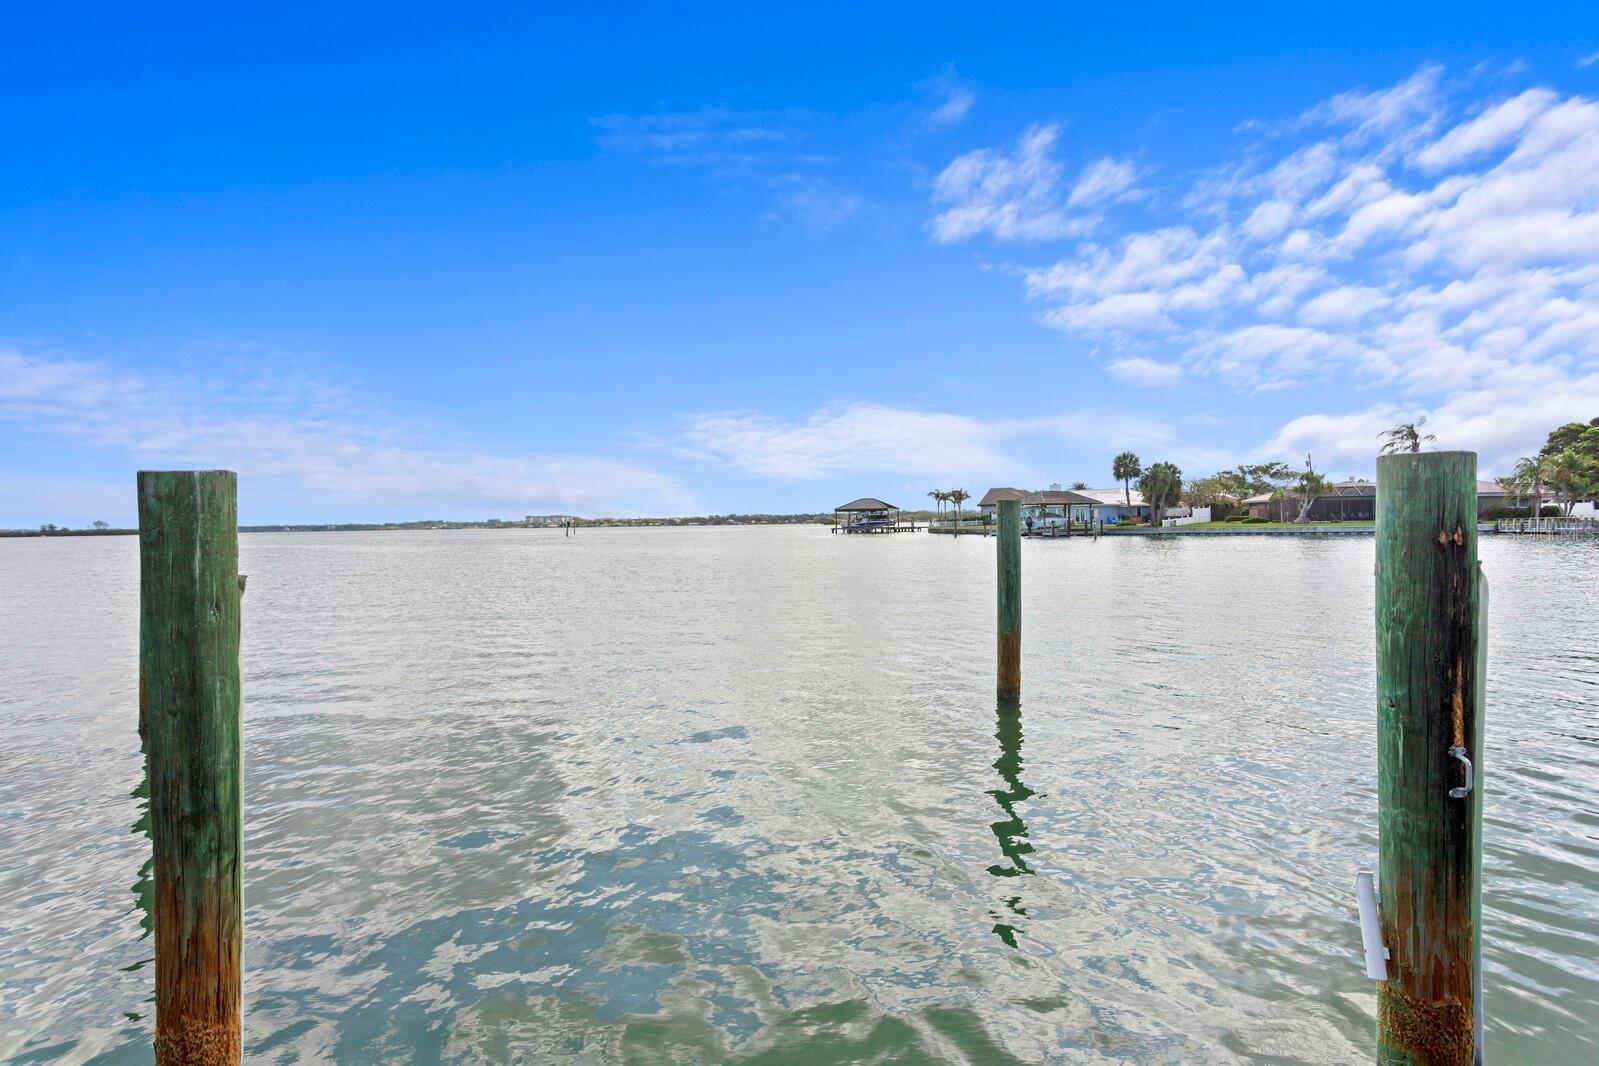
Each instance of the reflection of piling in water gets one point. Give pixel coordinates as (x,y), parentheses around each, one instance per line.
(1009,553)
(189,593)
(143,886)
(1011,831)
(1431,665)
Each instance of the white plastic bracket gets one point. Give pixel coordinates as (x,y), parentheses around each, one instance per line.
(1370,929)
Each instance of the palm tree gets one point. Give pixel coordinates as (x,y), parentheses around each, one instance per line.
(938,499)
(1570,477)
(1162,487)
(1124,468)
(1079,486)
(1530,475)
(958,497)
(1406,437)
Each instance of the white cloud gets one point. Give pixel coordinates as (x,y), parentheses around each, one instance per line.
(1272,356)
(1269,220)
(818,203)
(884,440)
(1012,196)
(1393,116)
(955,107)
(1155,261)
(1442,250)
(1142,283)
(951,96)
(1018,196)
(1343,441)
(1297,177)
(709,135)
(1115,312)
(1500,421)
(745,151)
(855,438)
(306,452)
(1492,129)
(1102,182)
(1137,370)
(1276,291)
(1345,305)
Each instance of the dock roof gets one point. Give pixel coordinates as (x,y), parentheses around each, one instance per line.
(867,503)
(993,496)
(1051,497)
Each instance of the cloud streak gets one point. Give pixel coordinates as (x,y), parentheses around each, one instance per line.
(318,448)
(1020,195)
(881,439)
(1413,241)
(746,150)
(848,439)
(952,98)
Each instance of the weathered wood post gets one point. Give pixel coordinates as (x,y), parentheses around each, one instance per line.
(189,593)
(1431,669)
(1009,552)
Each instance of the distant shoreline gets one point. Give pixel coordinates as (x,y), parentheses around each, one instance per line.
(67,532)
(411,527)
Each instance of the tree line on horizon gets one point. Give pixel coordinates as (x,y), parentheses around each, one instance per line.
(1567,465)
(1566,468)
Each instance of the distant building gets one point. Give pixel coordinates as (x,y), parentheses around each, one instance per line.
(1356,501)
(1346,501)
(548,519)
(991,498)
(1056,506)
(1121,504)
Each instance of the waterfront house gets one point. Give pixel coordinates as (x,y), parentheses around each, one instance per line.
(1118,506)
(1492,498)
(1346,501)
(990,501)
(1356,501)
(1055,506)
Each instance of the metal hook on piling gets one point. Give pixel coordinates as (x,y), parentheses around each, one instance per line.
(1464,790)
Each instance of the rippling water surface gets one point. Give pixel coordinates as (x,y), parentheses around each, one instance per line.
(702,795)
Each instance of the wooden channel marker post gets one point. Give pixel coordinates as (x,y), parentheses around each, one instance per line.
(1009,554)
(189,611)
(1431,670)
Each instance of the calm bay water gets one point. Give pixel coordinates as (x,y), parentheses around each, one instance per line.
(703,795)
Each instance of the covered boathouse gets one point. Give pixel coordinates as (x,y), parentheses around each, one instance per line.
(869,515)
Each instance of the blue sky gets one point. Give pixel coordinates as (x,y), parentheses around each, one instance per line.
(395,262)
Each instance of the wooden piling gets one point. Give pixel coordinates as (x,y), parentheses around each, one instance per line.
(1009,553)
(189,611)
(1431,666)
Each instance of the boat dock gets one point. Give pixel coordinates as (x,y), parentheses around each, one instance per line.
(878,527)
(1549,527)
(870,515)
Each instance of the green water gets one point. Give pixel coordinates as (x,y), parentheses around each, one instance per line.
(705,795)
